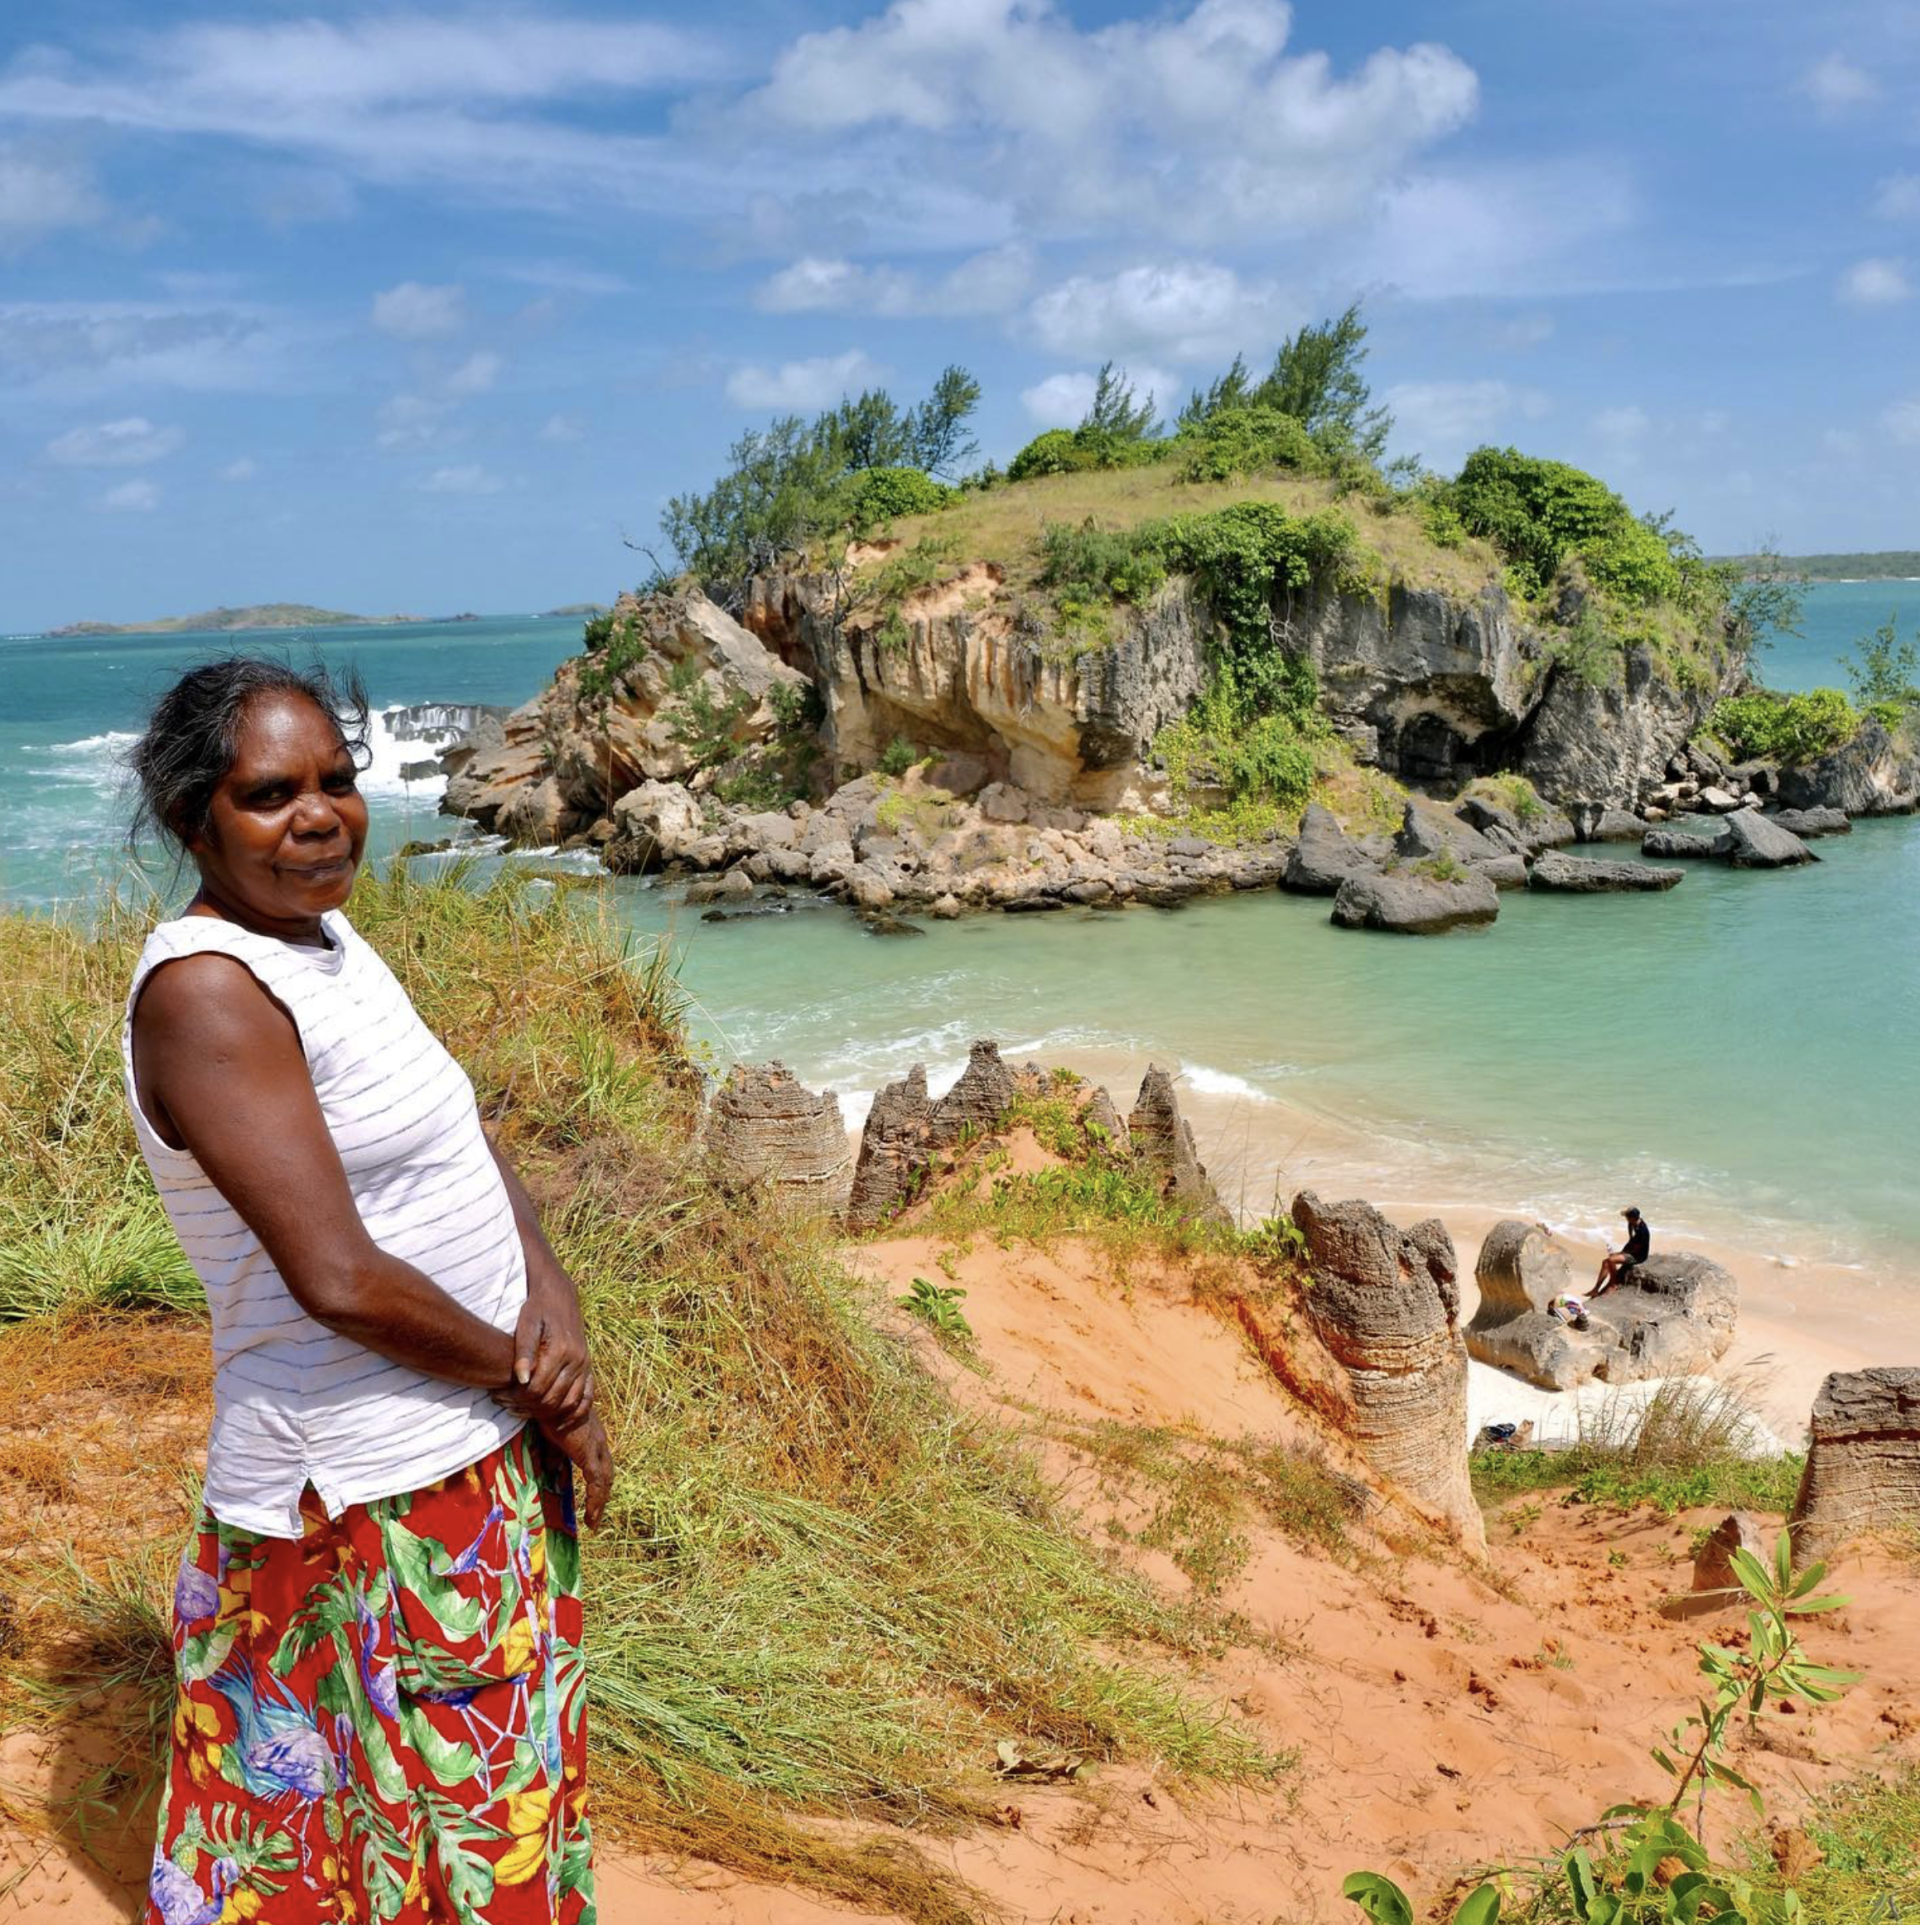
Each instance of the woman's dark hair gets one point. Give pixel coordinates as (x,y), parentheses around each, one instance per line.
(194,732)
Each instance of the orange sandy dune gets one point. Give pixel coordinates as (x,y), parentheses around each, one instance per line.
(1442,1717)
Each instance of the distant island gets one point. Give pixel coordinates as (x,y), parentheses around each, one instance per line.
(580,610)
(1893,564)
(261,615)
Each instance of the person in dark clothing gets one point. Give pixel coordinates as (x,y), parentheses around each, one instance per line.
(1620,1264)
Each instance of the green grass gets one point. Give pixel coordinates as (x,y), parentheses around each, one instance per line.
(1006,525)
(1685,1450)
(821,1589)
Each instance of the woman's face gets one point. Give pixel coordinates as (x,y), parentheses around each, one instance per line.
(287,823)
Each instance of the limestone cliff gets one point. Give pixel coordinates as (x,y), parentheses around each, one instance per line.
(1432,686)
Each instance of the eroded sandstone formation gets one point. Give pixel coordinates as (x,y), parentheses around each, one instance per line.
(1863,1463)
(1162,1140)
(765,1126)
(1386,1303)
(894,1151)
(1676,1317)
(977,1102)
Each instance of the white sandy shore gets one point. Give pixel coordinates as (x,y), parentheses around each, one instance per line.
(1801,1315)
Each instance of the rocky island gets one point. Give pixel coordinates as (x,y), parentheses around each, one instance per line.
(1130,672)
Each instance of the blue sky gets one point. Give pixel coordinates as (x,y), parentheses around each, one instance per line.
(425,308)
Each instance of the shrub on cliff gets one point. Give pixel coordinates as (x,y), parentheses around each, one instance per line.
(1784,728)
(1117,431)
(794,483)
(877,496)
(1235,442)
(1540,513)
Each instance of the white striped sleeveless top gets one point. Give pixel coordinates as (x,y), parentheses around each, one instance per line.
(296,1403)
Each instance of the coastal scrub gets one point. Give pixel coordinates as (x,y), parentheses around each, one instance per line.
(821,1589)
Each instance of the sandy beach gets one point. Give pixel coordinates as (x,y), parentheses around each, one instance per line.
(1802,1313)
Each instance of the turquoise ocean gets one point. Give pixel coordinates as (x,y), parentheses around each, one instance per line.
(1741,1054)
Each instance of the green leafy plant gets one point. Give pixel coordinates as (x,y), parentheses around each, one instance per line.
(1886,673)
(611,647)
(1784,728)
(897,757)
(938,1305)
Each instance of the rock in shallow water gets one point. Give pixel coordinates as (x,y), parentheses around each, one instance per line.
(1324,857)
(1685,843)
(1806,823)
(1410,904)
(1755,842)
(1580,875)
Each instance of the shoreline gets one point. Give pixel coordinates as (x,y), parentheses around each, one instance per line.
(1801,1315)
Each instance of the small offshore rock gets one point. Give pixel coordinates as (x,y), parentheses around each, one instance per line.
(1804,823)
(1581,874)
(1758,842)
(1409,904)
(1324,856)
(1684,842)
(946,908)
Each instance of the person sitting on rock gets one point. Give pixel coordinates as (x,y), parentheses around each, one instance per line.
(1619,1264)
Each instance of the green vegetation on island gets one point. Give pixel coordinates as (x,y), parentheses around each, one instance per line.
(258,616)
(1262,489)
(1891,564)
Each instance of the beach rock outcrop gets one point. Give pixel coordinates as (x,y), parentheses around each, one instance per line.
(1863,1462)
(765,1126)
(1676,1316)
(1386,1303)
(1599,822)
(1162,1140)
(1877,773)
(1410,903)
(1583,875)
(1324,857)
(1755,841)
(1685,844)
(977,1102)
(1809,823)
(1541,827)
(1713,1562)
(894,1151)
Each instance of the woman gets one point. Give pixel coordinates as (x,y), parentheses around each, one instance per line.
(377,1625)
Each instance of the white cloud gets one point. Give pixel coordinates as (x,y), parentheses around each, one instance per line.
(1627,423)
(1898,198)
(41,193)
(1874,283)
(1442,421)
(128,443)
(987,283)
(138,497)
(1187,310)
(398,96)
(87,347)
(803,386)
(470,479)
(1903,422)
(1199,125)
(410,422)
(1834,83)
(1062,400)
(476,374)
(243,468)
(415,311)
(561,428)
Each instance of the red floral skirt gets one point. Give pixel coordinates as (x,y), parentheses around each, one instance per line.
(385,1720)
